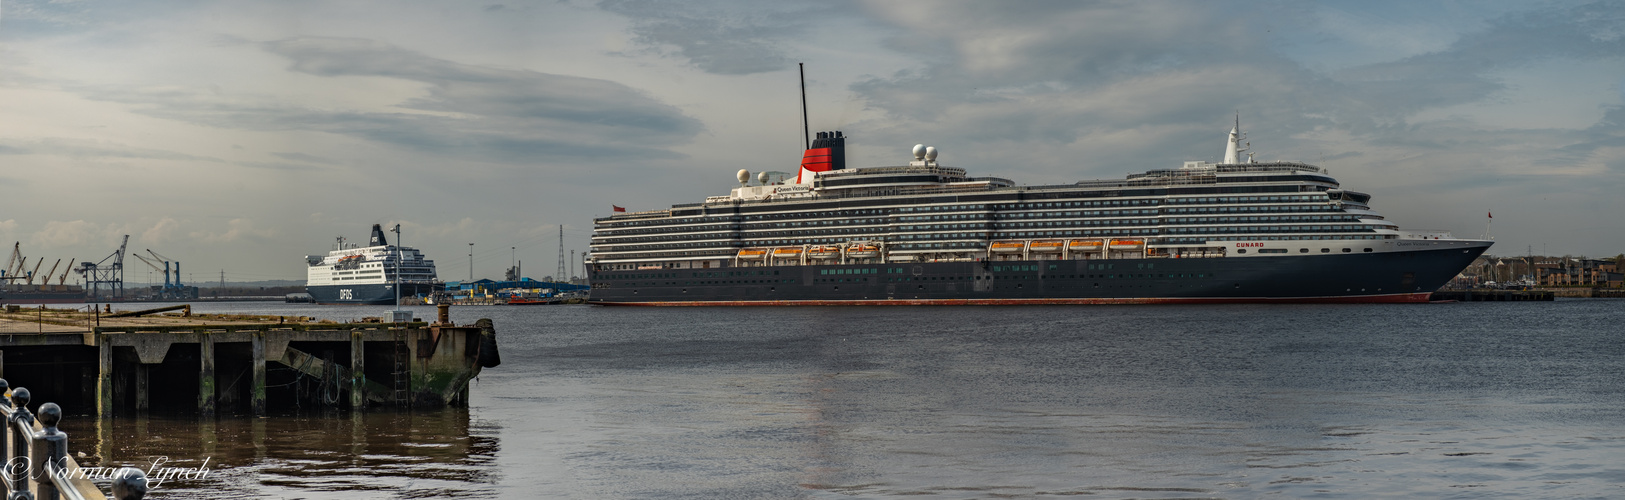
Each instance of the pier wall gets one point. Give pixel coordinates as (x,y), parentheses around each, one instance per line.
(250,368)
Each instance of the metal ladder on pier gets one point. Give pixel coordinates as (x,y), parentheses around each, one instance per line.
(403,375)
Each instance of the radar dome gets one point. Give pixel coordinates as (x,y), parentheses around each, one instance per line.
(762,178)
(744,176)
(931,153)
(919,151)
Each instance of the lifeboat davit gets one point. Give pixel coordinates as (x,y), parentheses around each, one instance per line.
(1126,244)
(1046,246)
(824,252)
(862,251)
(751,253)
(1008,246)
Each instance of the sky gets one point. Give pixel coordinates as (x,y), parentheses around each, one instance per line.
(239,136)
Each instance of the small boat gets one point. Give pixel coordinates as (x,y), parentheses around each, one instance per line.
(787,252)
(862,251)
(1126,244)
(1083,244)
(1045,246)
(752,252)
(1008,246)
(824,252)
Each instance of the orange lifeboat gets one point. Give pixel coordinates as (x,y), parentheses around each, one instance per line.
(1083,244)
(1046,246)
(749,253)
(1008,246)
(787,252)
(862,251)
(824,252)
(1126,244)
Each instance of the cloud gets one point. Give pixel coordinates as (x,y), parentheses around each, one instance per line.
(725,38)
(89,148)
(296,156)
(1463,72)
(239,229)
(506,115)
(68,233)
(161,232)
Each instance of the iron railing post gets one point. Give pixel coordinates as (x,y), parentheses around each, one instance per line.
(53,453)
(21,426)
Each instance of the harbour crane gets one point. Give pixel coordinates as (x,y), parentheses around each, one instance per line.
(16,251)
(166,261)
(14,272)
(112,275)
(49,274)
(164,269)
(64,279)
(36,270)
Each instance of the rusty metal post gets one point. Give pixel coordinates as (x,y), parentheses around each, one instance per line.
(444,310)
(205,376)
(258,397)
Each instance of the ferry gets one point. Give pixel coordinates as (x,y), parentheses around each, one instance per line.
(922,233)
(353,274)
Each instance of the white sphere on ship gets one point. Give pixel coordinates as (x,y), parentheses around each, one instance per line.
(919,151)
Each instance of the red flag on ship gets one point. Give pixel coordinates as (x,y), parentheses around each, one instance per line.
(1491,214)
(619,208)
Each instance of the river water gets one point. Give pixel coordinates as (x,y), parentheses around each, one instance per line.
(1463,400)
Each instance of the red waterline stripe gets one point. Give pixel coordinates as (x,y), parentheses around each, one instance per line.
(1400,298)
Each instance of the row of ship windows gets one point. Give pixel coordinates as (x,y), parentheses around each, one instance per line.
(902,279)
(1147,232)
(959,208)
(1027,234)
(1001,206)
(729,250)
(696,230)
(1300,250)
(1006,225)
(847,216)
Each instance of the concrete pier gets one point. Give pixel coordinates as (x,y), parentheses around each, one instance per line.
(245,367)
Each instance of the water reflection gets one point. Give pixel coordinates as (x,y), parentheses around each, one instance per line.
(441,453)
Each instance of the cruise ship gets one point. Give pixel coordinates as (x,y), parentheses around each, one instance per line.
(353,274)
(922,233)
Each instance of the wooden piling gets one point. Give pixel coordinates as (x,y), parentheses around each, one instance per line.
(142,387)
(205,376)
(358,373)
(257,400)
(104,380)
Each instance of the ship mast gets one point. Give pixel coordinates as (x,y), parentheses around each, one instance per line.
(806,131)
(1233,150)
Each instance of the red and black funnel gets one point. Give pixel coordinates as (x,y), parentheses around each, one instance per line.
(828,152)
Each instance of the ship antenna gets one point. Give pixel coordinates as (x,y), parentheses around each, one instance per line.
(806,131)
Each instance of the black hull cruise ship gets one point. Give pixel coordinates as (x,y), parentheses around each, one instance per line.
(926,234)
(366,275)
